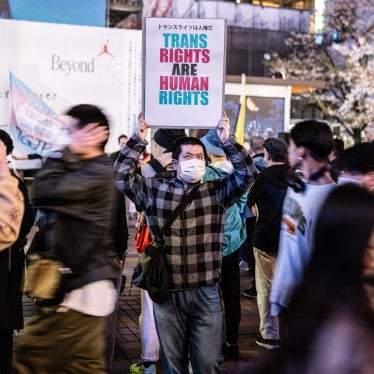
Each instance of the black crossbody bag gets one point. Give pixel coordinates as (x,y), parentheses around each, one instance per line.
(150,272)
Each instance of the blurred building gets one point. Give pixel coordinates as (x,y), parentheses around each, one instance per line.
(255,27)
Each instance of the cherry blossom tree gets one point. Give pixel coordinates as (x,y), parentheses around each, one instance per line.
(342,57)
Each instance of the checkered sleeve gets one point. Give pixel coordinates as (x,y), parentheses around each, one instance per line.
(237,183)
(127,180)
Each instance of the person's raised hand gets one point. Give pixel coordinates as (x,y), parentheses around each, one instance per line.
(141,128)
(92,135)
(223,128)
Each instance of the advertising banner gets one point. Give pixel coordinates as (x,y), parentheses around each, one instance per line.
(67,65)
(183,72)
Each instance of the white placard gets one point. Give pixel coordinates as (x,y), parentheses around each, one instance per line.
(183,72)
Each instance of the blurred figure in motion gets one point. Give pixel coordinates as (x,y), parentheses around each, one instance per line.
(75,192)
(330,324)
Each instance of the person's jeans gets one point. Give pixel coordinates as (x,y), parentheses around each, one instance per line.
(265,265)
(189,326)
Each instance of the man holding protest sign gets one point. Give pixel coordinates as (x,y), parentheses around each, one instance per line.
(189,324)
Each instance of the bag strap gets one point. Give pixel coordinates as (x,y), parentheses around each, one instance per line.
(156,165)
(184,202)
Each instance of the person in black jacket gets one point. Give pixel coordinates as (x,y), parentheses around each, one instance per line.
(266,198)
(75,192)
(12,265)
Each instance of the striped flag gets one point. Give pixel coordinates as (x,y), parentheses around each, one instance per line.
(33,124)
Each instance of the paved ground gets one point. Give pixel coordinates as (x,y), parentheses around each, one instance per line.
(128,345)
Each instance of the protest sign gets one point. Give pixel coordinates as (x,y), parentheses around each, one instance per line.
(183,72)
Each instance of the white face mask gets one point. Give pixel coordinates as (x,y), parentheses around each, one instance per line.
(192,171)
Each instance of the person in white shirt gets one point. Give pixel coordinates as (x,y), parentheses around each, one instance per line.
(310,145)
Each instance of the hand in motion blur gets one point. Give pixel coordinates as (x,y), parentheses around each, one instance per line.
(89,136)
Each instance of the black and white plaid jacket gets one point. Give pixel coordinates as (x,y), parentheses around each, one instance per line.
(193,242)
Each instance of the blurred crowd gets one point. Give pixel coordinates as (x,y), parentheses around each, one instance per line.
(297,212)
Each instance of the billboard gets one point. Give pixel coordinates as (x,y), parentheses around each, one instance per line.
(66,65)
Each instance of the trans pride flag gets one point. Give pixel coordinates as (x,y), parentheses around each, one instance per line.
(33,124)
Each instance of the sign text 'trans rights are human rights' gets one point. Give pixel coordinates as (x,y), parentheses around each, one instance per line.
(183,72)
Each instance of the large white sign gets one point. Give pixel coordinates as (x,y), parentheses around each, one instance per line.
(183,72)
(68,65)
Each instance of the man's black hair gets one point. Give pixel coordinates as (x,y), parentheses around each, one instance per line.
(122,136)
(277,149)
(177,148)
(85,114)
(7,140)
(316,136)
(358,159)
(257,144)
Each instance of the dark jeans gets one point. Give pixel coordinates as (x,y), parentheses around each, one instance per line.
(230,288)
